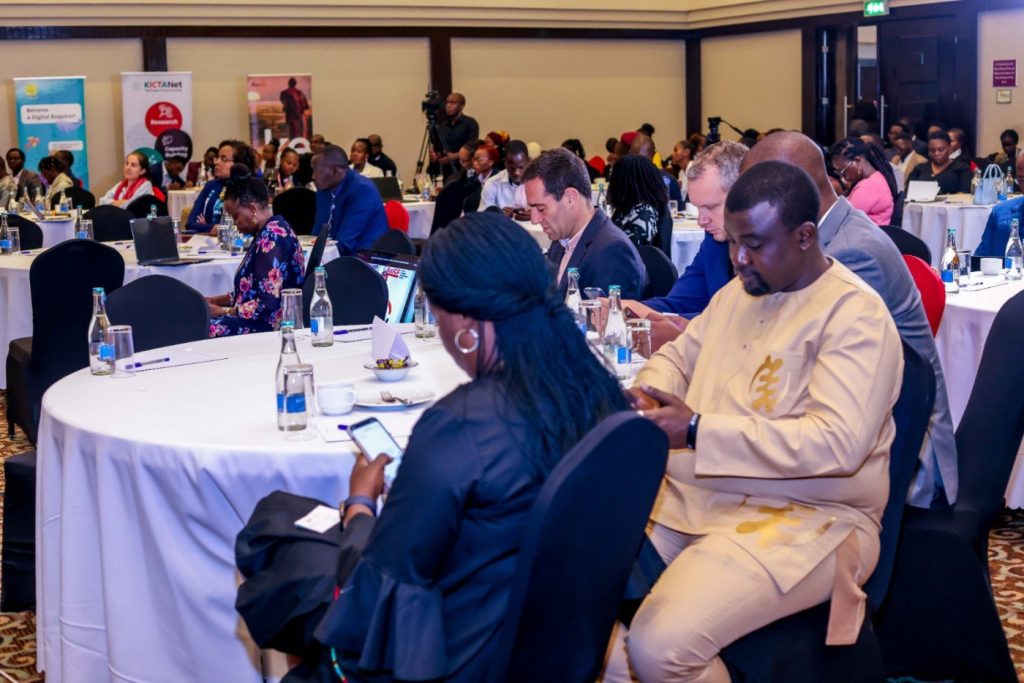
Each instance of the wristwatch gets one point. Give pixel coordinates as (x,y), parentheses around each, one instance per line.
(360,500)
(691,431)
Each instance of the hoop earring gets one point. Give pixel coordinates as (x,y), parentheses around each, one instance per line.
(476,340)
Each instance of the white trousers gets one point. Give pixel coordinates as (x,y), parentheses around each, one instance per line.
(711,594)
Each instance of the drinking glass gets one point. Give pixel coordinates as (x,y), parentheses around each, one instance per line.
(120,349)
(298,401)
(640,336)
(14,235)
(673,207)
(291,308)
(592,316)
(964,275)
(85,230)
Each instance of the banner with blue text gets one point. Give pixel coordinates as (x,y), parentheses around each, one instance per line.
(51,116)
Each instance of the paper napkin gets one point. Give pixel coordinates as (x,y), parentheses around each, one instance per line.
(387,342)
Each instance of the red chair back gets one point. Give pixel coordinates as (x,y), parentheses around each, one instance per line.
(597,163)
(398,215)
(933,292)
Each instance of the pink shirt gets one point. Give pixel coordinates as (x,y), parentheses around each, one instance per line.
(569,248)
(873,197)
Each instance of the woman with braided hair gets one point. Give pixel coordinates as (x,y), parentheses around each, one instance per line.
(870,180)
(424,588)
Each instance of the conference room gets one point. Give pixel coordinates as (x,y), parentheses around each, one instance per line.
(375,214)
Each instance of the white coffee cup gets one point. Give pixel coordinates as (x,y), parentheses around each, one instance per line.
(991,266)
(335,399)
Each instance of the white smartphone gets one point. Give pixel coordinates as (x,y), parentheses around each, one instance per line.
(373,438)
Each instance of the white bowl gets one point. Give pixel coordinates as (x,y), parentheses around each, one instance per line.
(391,374)
(991,266)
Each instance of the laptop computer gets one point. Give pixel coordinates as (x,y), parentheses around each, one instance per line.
(399,273)
(155,244)
(390,190)
(922,191)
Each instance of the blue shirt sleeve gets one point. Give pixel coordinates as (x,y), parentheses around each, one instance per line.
(691,293)
(361,219)
(197,209)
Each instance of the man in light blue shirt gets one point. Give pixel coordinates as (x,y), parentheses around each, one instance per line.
(997,230)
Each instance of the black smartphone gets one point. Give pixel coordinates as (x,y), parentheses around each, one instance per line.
(373,438)
(594,293)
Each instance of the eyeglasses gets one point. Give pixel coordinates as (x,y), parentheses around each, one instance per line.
(842,172)
(226,160)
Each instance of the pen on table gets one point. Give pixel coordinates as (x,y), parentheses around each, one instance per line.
(343,428)
(357,329)
(149,362)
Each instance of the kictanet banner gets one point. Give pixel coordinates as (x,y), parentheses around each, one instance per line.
(157,112)
(51,116)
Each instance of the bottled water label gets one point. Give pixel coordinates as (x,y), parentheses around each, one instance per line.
(948,276)
(296,403)
(106,352)
(5,245)
(623,355)
(82,234)
(280,403)
(314,326)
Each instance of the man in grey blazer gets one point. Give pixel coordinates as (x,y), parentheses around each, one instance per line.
(582,237)
(850,237)
(27,181)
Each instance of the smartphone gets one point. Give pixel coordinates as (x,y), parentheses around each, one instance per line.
(594,293)
(373,438)
(630,313)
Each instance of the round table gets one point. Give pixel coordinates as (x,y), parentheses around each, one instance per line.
(144,483)
(54,231)
(179,200)
(960,341)
(421,217)
(210,278)
(930,222)
(687,237)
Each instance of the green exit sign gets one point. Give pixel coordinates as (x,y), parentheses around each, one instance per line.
(876,8)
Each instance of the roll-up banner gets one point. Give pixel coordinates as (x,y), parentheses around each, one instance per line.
(280,107)
(51,116)
(157,109)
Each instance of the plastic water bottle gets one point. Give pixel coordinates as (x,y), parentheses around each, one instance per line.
(950,264)
(40,202)
(1014,259)
(101,354)
(289,356)
(602,198)
(321,314)
(423,318)
(6,245)
(573,300)
(616,336)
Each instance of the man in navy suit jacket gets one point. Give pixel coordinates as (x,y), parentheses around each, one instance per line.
(582,237)
(347,201)
(709,179)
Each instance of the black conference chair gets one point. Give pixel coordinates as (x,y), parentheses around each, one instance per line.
(298,207)
(30,234)
(663,238)
(110,223)
(793,648)
(395,242)
(142,206)
(448,205)
(941,621)
(661,272)
(18,586)
(161,310)
(897,209)
(472,201)
(316,253)
(357,291)
(78,197)
(61,279)
(908,243)
(563,603)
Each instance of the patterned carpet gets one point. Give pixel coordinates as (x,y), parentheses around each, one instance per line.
(1006,561)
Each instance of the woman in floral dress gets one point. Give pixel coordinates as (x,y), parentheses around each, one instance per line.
(273,261)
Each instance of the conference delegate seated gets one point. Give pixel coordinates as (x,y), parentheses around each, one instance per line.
(272,262)
(869,178)
(952,176)
(504,190)
(53,170)
(773,499)
(136,182)
(424,588)
(208,209)
(997,229)
(283,177)
(346,202)
(582,236)
(638,199)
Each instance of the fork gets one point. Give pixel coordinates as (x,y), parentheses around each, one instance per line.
(388,398)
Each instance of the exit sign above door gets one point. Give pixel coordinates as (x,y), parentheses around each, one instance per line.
(876,8)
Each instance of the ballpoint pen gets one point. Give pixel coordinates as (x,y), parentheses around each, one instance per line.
(357,329)
(149,362)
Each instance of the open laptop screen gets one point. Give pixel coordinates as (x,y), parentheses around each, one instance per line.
(399,273)
(154,239)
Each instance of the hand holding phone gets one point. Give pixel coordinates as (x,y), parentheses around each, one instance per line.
(373,438)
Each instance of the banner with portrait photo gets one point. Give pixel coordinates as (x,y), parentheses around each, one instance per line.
(280,107)
(157,110)
(51,116)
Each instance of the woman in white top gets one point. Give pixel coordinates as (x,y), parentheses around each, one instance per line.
(135,184)
(358,158)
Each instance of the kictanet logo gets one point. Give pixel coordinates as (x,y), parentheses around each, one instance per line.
(163,85)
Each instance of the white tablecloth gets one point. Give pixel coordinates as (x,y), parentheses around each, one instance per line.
(211,278)
(55,232)
(179,200)
(421,217)
(930,222)
(965,325)
(686,239)
(144,483)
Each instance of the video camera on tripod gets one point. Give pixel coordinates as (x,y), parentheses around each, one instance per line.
(433,106)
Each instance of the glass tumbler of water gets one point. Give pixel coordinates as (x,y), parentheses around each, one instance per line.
(592,314)
(119,348)
(673,208)
(298,401)
(964,276)
(85,229)
(14,235)
(291,307)
(640,336)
